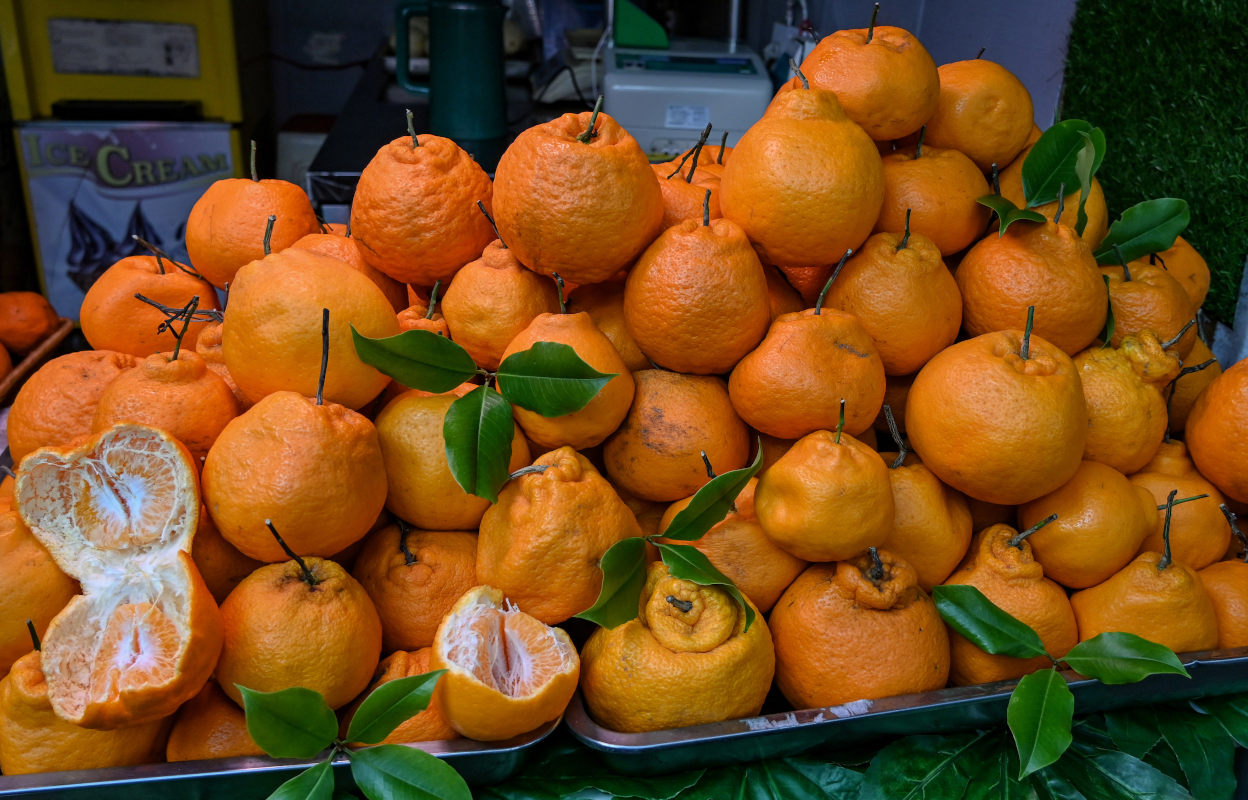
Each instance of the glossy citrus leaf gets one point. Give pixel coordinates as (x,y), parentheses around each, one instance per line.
(291,723)
(712,502)
(314,783)
(390,705)
(1083,171)
(1039,715)
(923,767)
(1231,712)
(1052,160)
(1007,212)
(1123,658)
(549,379)
(623,578)
(1147,227)
(478,430)
(417,359)
(973,615)
(395,772)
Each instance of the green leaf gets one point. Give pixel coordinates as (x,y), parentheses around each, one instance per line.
(549,379)
(712,502)
(1147,227)
(776,779)
(1109,775)
(1051,786)
(561,770)
(970,613)
(417,359)
(1116,658)
(1205,752)
(1231,712)
(993,769)
(291,723)
(1108,335)
(314,783)
(1007,212)
(390,705)
(478,430)
(688,563)
(623,578)
(1039,714)
(395,772)
(922,767)
(1052,160)
(1133,730)
(1083,170)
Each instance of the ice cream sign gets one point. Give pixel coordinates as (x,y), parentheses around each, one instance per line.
(118,164)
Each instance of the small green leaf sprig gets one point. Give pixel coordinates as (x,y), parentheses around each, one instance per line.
(297,723)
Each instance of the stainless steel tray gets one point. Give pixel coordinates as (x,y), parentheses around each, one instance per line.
(789,733)
(479,762)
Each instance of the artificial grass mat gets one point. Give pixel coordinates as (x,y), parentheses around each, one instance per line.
(1166,82)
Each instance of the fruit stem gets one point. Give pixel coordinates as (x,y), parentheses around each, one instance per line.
(1167,344)
(1126,271)
(320,381)
(268,234)
(433,298)
(7,471)
(683,606)
(697,151)
(875,573)
(254,175)
(1017,540)
(996,179)
(1025,352)
(308,577)
(840,422)
(918,146)
(706,209)
(824,291)
(681,165)
(161,254)
(532,469)
(1230,515)
(411,129)
(490,219)
(1183,500)
(905,240)
(1153,258)
(409,558)
(706,462)
(188,314)
(798,72)
(34,635)
(590,133)
(1165,531)
(980,54)
(225,301)
(893,431)
(171,314)
(871,29)
(723,142)
(563,305)
(1061,202)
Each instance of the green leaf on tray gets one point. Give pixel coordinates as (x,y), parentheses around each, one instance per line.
(973,615)
(1204,750)
(712,502)
(314,783)
(1007,212)
(390,705)
(478,430)
(549,379)
(776,779)
(1052,160)
(993,769)
(623,578)
(927,767)
(1231,712)
(1109,775)
(417,359)
(1083,171)
(395,772)
(1039,715)
(688,563)
(1116,658)
(562,769)
(1147,227)
(291,723)
(1133,730)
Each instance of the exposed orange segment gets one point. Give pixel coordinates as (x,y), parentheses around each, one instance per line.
(140,648)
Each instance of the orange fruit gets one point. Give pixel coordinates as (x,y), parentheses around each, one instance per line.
(542,542)
(118,514)
(1010,180)
(602,414)
(419,316)
(882,75)
(347,250)
(1217,432)
(315,470)
(1199,535)
(932,524)
(1019,422)
(423,726)
(794,381)
(1102,519)
(415,215)
(604,302)
(26,319)
(413,578)
(580,202)
(282,631)
(805,183)
(1186,266)
(686,659)
(655,453)
(1123,392)
(826,499)
(939,188)
(1002,566)
(210,726)
(983,110)
(1181,395)
(272,337)
(896,389)
(226,226)
(175,392)
(739,547)
(781,297)
(683,198)
(903,294)
(57,402)
(32,587)
(1045,265)
(696,300)
(34,739)
(114,319)
(857,630)
(1151,299)
(491,300)
(208,346)
(421,488)
(1227,585)
(984,514)
(220,563)
(506,674)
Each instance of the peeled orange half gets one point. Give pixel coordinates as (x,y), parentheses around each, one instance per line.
(507,672)
(118,514)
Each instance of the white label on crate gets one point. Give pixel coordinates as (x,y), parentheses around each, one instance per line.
(122,47)
(687,117)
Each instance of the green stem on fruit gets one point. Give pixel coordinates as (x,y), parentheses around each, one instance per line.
(34,635)
(875,573)
(871,29)
(1061,202)
(188,314)
(308,577)
(254,176)
(268,234)
(706,209)
(1183,500)
(590,133)
(1165,531)
(706,462)
(840,422)
(1025,351)
(490,219)
(433,298)
(1167,344)
(320,381)
(411,128)
(905,240)
(683,606)
(409,558)
(1231,518)
(918,146)
(1126,271)
(697,151)
(798,72)
(1017,540)
(828,285)
(895,432)
(723,142)
(563,305)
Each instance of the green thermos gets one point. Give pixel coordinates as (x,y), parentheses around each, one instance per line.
(467,100)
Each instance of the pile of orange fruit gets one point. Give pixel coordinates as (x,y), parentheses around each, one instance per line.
(827,290)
